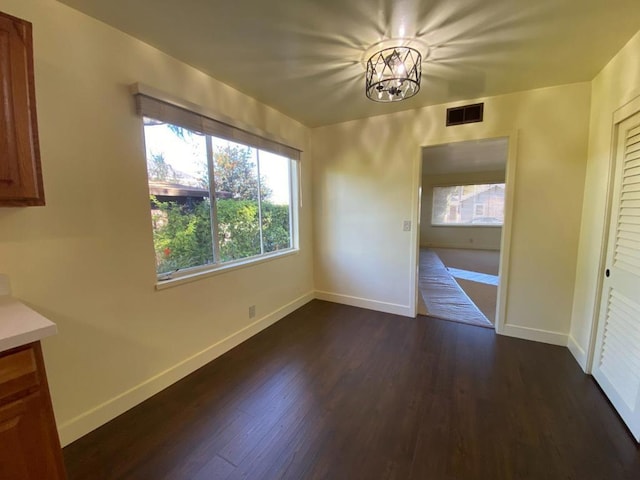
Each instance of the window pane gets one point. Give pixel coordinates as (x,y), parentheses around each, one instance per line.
(275,190)
(468,205)
(252,211)
(179,189)
(236,181)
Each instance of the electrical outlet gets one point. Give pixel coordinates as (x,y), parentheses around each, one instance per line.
(252,311)
(406,225)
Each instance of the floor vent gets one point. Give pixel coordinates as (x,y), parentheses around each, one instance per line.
(466,114)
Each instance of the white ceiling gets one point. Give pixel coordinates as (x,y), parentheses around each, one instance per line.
(305,57)
(472,156)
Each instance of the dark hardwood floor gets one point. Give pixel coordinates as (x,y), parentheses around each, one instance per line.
(338,392)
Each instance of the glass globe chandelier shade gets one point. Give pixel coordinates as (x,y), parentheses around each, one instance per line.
(393,74)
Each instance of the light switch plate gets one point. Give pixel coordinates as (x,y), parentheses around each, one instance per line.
(406,226)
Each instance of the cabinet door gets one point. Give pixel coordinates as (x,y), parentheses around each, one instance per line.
(20,175)
(25,436)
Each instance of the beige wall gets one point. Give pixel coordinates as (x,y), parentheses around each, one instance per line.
(366,184)
(485,238)
(613,87)
(86,260)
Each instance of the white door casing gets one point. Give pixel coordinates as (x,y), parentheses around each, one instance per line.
(617,354)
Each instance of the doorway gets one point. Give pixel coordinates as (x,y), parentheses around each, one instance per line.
(461,230)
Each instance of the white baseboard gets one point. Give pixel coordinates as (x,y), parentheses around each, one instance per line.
(578,352)
(535,334)
(404,310)
(84,423)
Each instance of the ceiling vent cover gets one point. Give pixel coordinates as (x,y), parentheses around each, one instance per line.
(466,114)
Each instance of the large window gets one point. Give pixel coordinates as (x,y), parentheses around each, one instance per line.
(215,201)
(468,205)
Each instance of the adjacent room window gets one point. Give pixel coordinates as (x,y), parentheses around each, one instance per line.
(468,205)
(214,200)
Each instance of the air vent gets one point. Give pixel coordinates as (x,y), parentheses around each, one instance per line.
(467,114)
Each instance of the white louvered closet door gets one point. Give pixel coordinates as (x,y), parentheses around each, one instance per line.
(617,356)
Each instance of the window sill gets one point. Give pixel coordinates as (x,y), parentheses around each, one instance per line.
(219,269)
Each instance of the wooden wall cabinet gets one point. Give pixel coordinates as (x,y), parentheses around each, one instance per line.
(20,172)
(29,443)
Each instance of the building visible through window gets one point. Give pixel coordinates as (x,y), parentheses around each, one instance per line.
(471,205)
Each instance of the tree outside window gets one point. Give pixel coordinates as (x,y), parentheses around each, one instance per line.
(214,201)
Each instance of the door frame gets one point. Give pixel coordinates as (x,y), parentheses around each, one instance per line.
(507,227)
(619,115)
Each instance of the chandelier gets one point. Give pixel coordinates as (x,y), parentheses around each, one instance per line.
(393,74)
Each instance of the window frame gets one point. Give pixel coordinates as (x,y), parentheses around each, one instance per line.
(258,142)
(464,225)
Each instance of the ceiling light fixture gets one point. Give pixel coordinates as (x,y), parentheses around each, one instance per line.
(393,74)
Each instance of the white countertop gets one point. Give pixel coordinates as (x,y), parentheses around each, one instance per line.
(20,325)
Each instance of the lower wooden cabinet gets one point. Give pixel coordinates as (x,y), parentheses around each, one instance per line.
(29,444)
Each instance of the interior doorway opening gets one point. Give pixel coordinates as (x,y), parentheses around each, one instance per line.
(461,229)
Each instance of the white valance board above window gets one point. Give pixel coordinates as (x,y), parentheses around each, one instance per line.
(158,106)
